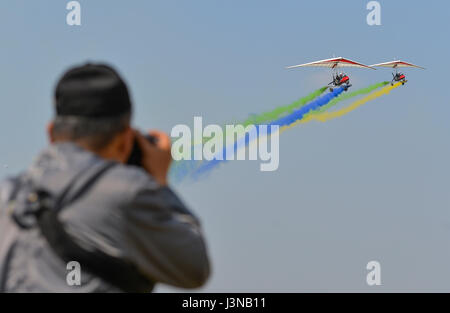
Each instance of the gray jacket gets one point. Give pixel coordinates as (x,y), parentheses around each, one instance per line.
(125,214)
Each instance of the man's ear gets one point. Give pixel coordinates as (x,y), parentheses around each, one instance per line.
(126,145)
(50,126)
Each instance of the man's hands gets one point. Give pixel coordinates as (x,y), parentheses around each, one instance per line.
(156,158)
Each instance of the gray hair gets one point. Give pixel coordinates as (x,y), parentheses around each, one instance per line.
(98,132)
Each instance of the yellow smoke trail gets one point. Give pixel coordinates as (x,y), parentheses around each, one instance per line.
(326,116)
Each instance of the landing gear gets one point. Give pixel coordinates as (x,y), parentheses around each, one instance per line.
(398,78)
(402,81)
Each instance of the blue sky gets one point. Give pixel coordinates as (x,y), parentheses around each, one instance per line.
(372,185)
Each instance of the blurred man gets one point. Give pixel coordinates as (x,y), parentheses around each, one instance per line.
(81,219)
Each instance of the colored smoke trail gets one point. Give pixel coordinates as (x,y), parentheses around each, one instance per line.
(283,121)
(180,169)
(349,95)
(326,116)
(314,105)
(277,112)
(307,112)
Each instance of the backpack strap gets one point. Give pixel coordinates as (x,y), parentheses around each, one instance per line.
(9,231)
(117,272)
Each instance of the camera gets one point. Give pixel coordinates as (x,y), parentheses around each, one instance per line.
(136,153)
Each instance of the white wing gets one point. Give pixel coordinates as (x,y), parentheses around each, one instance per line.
(333,63)
(396,64)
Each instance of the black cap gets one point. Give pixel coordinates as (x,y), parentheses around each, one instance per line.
(92,90)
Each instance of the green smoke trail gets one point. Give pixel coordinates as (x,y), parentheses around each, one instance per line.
(344,96)
(277,112)
(180,169)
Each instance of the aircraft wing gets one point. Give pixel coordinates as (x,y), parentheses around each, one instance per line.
(333,63)
(396,64)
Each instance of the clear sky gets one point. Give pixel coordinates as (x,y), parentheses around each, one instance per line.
(372,185)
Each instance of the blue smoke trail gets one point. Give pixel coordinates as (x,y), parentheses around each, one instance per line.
(283,121)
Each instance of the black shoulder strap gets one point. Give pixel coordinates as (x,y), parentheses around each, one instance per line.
(63,200)
(114,271)
(117,272)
